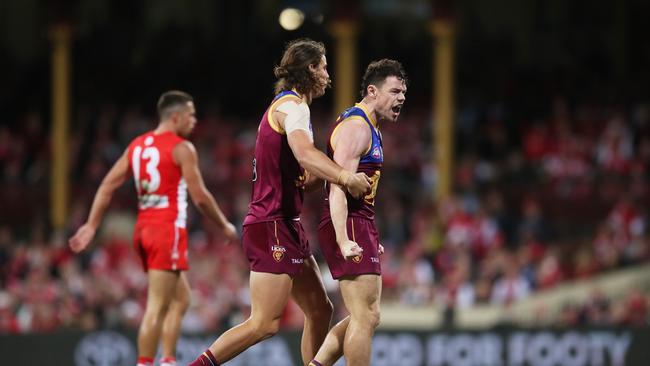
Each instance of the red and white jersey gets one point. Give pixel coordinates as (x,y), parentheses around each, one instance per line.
(159,183)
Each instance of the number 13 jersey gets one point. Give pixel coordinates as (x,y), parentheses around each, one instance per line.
(159,183)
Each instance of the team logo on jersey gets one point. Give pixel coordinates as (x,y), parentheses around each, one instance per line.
(278,252)
(376,152)
(357,258)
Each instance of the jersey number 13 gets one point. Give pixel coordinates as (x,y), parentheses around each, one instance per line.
(146,188)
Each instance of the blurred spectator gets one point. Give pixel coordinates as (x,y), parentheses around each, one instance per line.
(614,151)
(550,271)
(512,286)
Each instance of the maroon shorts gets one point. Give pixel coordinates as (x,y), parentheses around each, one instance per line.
(364,233)
(278,246)
(161,245)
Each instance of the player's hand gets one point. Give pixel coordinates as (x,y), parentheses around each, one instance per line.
(381,249)
(82,238)
(358,185)
(350,249)
(230,232)
(302,180)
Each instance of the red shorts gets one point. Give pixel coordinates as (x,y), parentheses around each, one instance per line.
(364,233)
(161,246)
(278,246)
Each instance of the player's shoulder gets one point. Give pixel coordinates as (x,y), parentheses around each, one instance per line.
(351,128)
(287,94)
(176,139)
(352,117)
(160,141)
(288,101)
(353,122)
(185,144)
(167,139)
(353,111)
(184,148)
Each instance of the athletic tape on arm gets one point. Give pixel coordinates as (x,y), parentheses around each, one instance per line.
(297,117)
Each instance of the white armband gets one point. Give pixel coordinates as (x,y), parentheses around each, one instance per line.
(297,117)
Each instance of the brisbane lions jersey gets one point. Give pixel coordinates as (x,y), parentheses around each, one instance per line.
(159,183)
(277,176)
(370,164)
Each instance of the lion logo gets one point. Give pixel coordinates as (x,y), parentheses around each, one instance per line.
(357,258)
(278,252)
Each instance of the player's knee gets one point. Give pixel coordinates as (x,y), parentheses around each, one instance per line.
(321,311)
(375,318)
(156,312)
(266,329)
(182,304)
(185,300)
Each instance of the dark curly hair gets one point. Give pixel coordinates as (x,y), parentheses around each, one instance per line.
(378,71)
(293,71)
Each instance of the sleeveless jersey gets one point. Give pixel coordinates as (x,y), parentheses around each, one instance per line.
(277,176)
(159,183)
(370,163)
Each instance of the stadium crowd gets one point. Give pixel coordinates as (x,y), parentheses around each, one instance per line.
(538,201)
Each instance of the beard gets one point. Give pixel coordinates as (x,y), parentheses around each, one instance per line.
(320,85)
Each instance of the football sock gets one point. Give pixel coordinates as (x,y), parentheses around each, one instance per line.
(145,361)
(168,361)
(205,359)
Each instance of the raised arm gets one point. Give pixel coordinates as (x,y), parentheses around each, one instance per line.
(186,157)
(350,142)
(113,180)
(294,118)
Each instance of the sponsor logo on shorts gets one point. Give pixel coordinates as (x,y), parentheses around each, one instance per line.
(278,252)
(374,259)
(357,258)
(297,260)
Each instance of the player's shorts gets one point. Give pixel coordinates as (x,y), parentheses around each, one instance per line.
(161,246)
(278,246)
(364,233)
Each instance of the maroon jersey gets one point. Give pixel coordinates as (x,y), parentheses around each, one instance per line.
(370,163)
(277,191)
